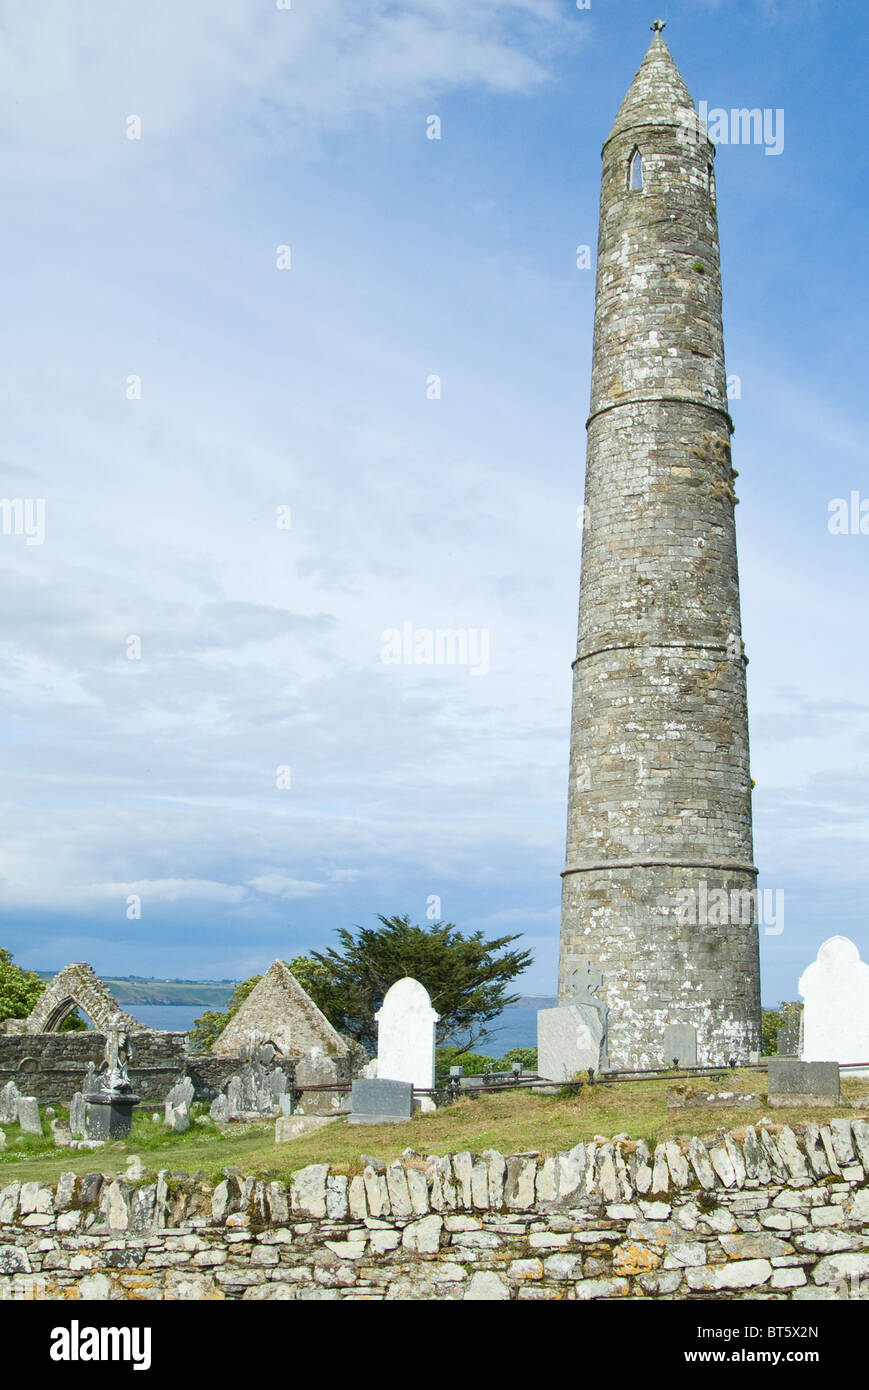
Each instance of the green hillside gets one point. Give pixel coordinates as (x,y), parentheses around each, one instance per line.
(207,994)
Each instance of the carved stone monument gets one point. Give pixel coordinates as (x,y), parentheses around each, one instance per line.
(109,1113)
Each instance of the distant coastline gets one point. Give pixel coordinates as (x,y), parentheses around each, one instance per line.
(215,994)
(204,994)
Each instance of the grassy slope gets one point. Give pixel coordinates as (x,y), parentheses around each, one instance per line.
(512,1122)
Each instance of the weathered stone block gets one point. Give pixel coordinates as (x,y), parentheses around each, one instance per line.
(742,1274)
(290,1127)
(308,1190)
(423,1236)
(485,1287)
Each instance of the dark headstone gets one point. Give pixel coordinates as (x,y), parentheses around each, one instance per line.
(381,1102)
(788,1042)
(109,1116)
(796,1083)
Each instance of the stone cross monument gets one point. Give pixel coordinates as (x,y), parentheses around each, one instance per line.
(659,790)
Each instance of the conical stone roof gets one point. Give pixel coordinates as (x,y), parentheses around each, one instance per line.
(657,94)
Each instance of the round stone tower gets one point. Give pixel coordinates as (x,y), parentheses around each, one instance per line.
(658,887)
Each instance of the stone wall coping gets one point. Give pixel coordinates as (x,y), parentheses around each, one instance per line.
(601,1172)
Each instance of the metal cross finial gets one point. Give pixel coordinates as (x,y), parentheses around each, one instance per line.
(658,25)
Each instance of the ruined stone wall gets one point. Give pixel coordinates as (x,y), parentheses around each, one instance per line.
(52,1066)
(660,788)
(210,1075)
(773,1213)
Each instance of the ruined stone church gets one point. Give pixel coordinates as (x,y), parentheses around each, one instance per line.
(659,802)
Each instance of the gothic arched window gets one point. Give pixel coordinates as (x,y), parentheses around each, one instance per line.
(635,171)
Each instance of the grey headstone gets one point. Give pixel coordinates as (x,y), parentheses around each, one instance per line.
(9,1097)
(381,1102)
(60,1133)
(569,1041)
(267,1054)
(253,1094)
(2,1140)
(28,1115)
(680,1040)
(582,982)
(277,1085)
(233,1097)
(246,1091)
(788,1041)
(219,1111)
(176,1118)
(796,1083)
(77,1110)
(315,1069)
(286,1103)
(181,1093)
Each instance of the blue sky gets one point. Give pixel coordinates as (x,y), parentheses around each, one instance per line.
(307,388)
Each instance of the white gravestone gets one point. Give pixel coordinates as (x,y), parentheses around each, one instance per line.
(835,990)
(406,1035)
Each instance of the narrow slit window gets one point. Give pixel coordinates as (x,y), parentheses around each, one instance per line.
(711,182)
(635,171)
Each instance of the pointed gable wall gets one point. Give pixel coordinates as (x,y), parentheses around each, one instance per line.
(280,1010)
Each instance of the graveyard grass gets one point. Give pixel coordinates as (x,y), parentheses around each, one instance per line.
(511,1122)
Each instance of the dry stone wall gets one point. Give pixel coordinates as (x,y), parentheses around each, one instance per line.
(776,1212)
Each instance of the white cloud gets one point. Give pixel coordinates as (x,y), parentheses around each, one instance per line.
(283,887)
(207,75)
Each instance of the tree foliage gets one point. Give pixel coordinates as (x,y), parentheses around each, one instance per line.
(466,977)
(19,991)
(787,1015)
(208,1027)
